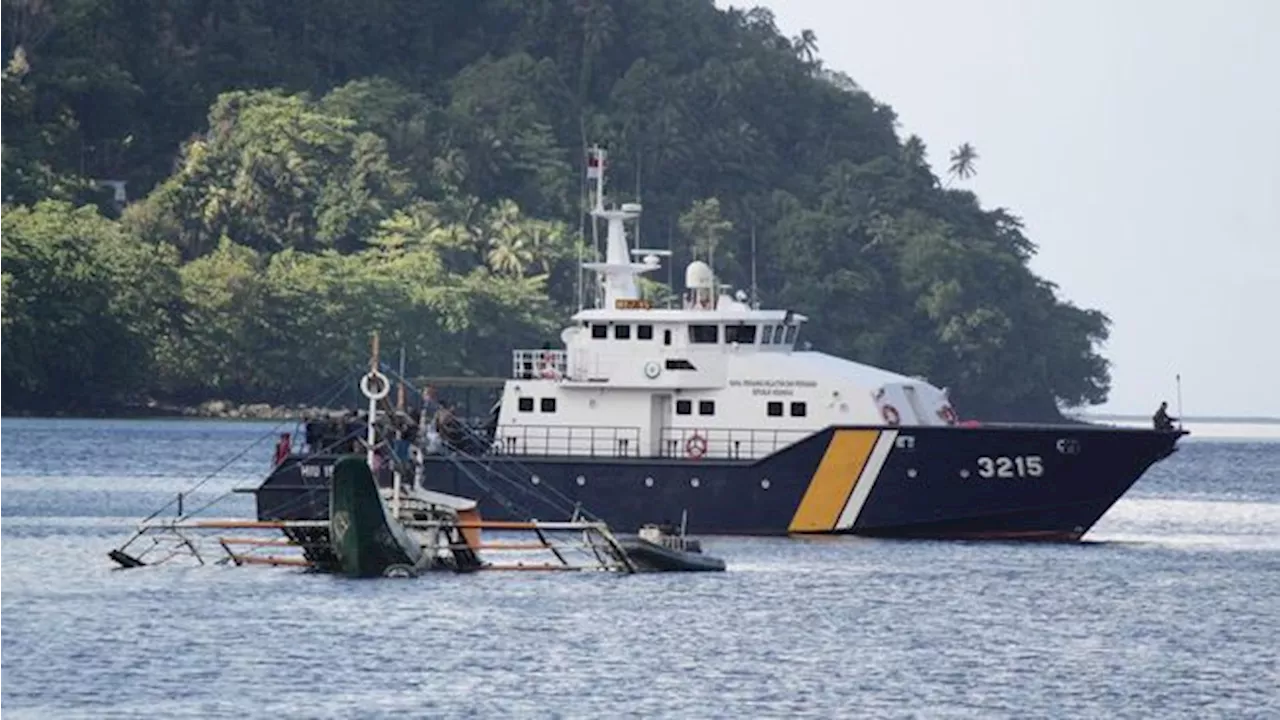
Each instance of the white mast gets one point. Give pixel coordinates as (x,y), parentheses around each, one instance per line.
(617,271)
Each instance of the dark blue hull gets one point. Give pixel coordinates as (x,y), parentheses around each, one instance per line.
(1017,482)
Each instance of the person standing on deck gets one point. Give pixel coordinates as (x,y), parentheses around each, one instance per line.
(427,421)
(284,446)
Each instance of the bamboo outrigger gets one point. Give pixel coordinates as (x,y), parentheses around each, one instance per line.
(522,546)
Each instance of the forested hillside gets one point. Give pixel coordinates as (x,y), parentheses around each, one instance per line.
(299,172)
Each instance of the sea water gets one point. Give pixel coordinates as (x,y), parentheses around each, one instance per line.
(1171,609)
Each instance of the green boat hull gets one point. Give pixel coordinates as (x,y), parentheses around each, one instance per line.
(366,539)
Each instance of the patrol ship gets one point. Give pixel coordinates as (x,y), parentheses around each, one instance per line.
(712,413)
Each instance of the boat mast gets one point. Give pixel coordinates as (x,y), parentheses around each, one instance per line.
(595,171)
(617,272)
(400,388)
(370,393)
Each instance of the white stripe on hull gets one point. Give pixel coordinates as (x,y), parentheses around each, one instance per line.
(866,479)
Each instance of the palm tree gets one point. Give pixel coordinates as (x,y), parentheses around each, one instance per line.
(509,248)
(962,159)
(703,224)
(806,45)
(508,254)
(913,151)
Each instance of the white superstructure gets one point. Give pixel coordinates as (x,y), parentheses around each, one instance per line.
(714,378)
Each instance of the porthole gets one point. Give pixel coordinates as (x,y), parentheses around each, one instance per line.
(964,473)
(648,482)
(582,480)
(911,472)
(535,479)
(765,483)
(695,482)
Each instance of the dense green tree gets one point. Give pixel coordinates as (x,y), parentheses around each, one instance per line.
(277,172)
(84,306)
(415,165)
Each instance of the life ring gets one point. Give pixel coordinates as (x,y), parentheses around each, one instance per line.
(382,390)
(399,570)
(948,415)
(696,446)
(890,415)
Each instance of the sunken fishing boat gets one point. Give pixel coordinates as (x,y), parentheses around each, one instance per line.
(355,503)
(713,410)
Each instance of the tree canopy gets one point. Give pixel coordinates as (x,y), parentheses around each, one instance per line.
(299,172)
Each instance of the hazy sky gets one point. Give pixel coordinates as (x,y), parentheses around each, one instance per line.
(1140,142)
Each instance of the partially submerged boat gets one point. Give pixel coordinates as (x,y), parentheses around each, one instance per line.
(367,540)
(371,515)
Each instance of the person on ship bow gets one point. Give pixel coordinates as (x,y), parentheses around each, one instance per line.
(1162,420)
(283,447)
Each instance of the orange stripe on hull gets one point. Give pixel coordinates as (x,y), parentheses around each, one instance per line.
(833,481)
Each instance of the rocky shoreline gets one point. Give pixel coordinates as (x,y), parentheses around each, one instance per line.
(210,409)
(223,409)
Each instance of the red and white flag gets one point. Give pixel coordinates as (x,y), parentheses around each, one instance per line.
(595,164)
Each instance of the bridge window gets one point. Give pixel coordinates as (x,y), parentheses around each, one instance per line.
(741,334)
(706,407)
(622,332)
(684,407)
(526,404)
(775,409)
(777,334)
(679,364)
(792,331)
(766,334)
(548,405)
(798,409)
(644,332)
(599,332)
(704,334)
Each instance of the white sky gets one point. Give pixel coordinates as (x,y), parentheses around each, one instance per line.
(1140,142)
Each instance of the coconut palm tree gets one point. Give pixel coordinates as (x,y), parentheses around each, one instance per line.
(509,247)
(962,159)
(806,45)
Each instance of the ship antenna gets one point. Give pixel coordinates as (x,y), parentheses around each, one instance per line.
(584,197)
(582,240)
(595,171)
(638,199)
(671,273)
(755,290)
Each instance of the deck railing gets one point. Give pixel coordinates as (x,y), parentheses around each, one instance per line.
(727,443)
(591,441)
(531,364)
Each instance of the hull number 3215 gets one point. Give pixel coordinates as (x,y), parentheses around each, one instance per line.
(1010,467)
